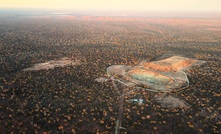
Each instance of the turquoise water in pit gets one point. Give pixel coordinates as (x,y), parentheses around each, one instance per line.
(153,79)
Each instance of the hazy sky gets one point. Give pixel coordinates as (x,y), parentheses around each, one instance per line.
(117,5)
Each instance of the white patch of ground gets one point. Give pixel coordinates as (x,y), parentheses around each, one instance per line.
(170,101)
(102,79)
(53,63)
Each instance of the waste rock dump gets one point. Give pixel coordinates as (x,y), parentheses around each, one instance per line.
(52,64)
(172,64)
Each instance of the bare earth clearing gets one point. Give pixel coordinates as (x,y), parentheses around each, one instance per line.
(63,62)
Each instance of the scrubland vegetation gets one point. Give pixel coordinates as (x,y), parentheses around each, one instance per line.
(67,99)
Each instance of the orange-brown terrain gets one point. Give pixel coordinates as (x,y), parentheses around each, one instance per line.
(172,64)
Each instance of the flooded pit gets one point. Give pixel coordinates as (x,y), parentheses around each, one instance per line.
(149,77)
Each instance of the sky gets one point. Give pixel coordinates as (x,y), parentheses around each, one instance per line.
(118,5)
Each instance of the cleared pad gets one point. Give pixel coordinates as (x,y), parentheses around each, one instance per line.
(63,62)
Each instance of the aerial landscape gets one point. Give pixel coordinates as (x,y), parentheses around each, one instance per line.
(80,72)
